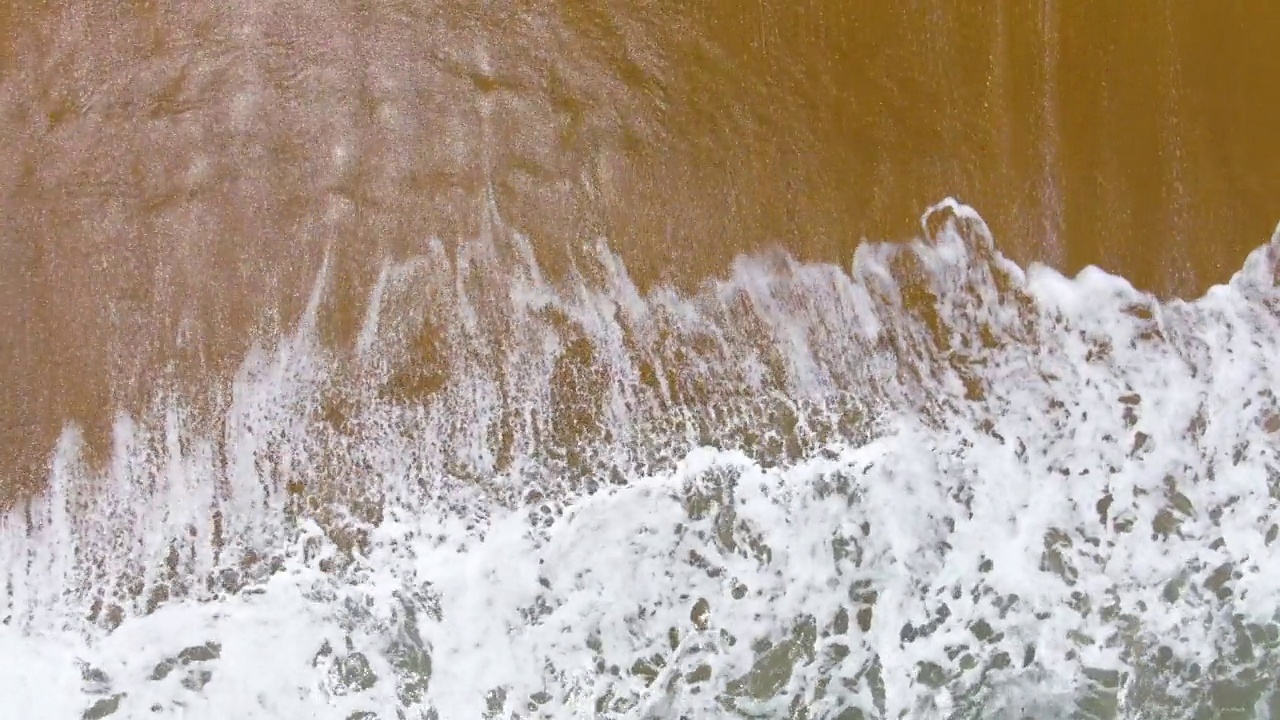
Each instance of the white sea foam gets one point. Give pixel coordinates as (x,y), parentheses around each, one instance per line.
(799,494)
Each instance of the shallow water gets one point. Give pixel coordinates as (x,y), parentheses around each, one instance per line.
(178,170)
(456,361)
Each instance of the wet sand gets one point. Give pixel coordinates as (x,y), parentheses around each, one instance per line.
(176,172)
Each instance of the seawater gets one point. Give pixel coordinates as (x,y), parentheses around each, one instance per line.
(930,484)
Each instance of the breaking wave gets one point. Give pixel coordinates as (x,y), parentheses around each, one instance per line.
(930,485)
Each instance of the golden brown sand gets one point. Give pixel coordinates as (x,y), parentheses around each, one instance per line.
(173,172)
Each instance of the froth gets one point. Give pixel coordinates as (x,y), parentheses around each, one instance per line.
(935,485)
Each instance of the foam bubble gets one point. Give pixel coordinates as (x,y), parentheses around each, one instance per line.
(936,485)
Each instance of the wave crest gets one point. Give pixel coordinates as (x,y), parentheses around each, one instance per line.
(934,484)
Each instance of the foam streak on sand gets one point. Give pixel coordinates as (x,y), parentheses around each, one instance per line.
(934,486)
